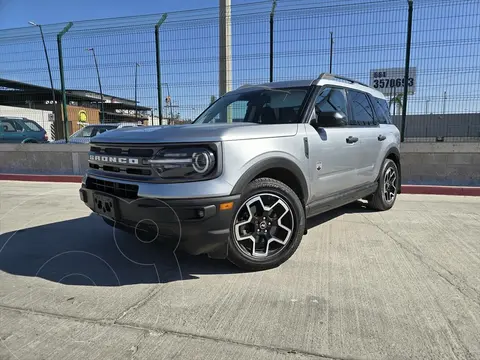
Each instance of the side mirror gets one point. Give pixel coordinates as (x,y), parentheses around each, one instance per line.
(331,119)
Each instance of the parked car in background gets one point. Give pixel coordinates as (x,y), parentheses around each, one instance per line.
(85,134)
(21,130)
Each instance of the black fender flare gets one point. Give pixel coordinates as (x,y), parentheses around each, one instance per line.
(271,163)
(394,150)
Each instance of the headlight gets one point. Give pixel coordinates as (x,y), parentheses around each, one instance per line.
(184,163)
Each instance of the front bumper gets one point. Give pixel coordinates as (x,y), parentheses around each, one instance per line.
(199,225)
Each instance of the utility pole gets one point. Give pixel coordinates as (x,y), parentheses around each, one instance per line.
(168,103)
(48,66)
(99,84)
(62,78)
(159,76)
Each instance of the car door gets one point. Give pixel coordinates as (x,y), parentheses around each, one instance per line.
(364,127)
(332,160)
(386,133)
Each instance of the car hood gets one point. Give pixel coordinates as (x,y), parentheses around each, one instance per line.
(195,133)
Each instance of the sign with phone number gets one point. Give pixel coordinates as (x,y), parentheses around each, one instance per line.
(392,81)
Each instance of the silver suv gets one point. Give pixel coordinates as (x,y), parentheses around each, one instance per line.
(241,180)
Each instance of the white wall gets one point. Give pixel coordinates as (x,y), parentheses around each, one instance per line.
(40,116)
(429,164)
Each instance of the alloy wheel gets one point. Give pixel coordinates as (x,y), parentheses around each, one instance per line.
(390,185)
(263,225)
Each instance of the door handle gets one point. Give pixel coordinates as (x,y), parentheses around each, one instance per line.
(351,139)
(381,137)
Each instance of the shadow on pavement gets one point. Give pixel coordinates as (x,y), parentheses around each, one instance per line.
(86,251)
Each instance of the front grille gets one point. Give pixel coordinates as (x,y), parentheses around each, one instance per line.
(140,152)
(113,151)
(140,169)
(116,169)
(118,189)
(118,151)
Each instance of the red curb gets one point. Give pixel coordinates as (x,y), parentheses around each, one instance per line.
(441,190)
(406,189)
(44,178)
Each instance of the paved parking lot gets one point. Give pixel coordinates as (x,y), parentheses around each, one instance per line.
(402,284)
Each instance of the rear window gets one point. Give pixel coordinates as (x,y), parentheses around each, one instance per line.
(381,110)
(31,125)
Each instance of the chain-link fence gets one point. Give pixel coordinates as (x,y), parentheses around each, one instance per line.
(112,67)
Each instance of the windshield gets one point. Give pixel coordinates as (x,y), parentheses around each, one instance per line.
(261,105)
(91,131)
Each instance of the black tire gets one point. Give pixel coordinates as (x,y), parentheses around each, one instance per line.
(379,200)
(267,188)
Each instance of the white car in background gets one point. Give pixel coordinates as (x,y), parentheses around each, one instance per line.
(85,134)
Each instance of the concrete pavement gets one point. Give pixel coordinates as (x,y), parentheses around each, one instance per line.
(401,284)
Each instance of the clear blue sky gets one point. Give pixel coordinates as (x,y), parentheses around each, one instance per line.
(446,45)
(17,13)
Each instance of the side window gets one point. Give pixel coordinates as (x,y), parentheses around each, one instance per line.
(328,101)
(331,99)
(9,125)
(381,110)
(362,112)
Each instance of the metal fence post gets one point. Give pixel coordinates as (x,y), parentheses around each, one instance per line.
(136,83)
(159,77)
(62,79)
(331,51)
(272,12)
(407,68)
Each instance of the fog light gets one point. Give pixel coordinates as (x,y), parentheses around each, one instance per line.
(83,196)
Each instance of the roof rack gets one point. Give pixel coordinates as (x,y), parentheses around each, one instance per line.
(333,77)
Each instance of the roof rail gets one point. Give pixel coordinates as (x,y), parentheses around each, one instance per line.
(246,85)
(333,77)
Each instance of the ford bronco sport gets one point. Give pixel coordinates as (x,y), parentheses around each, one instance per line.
(241,180)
